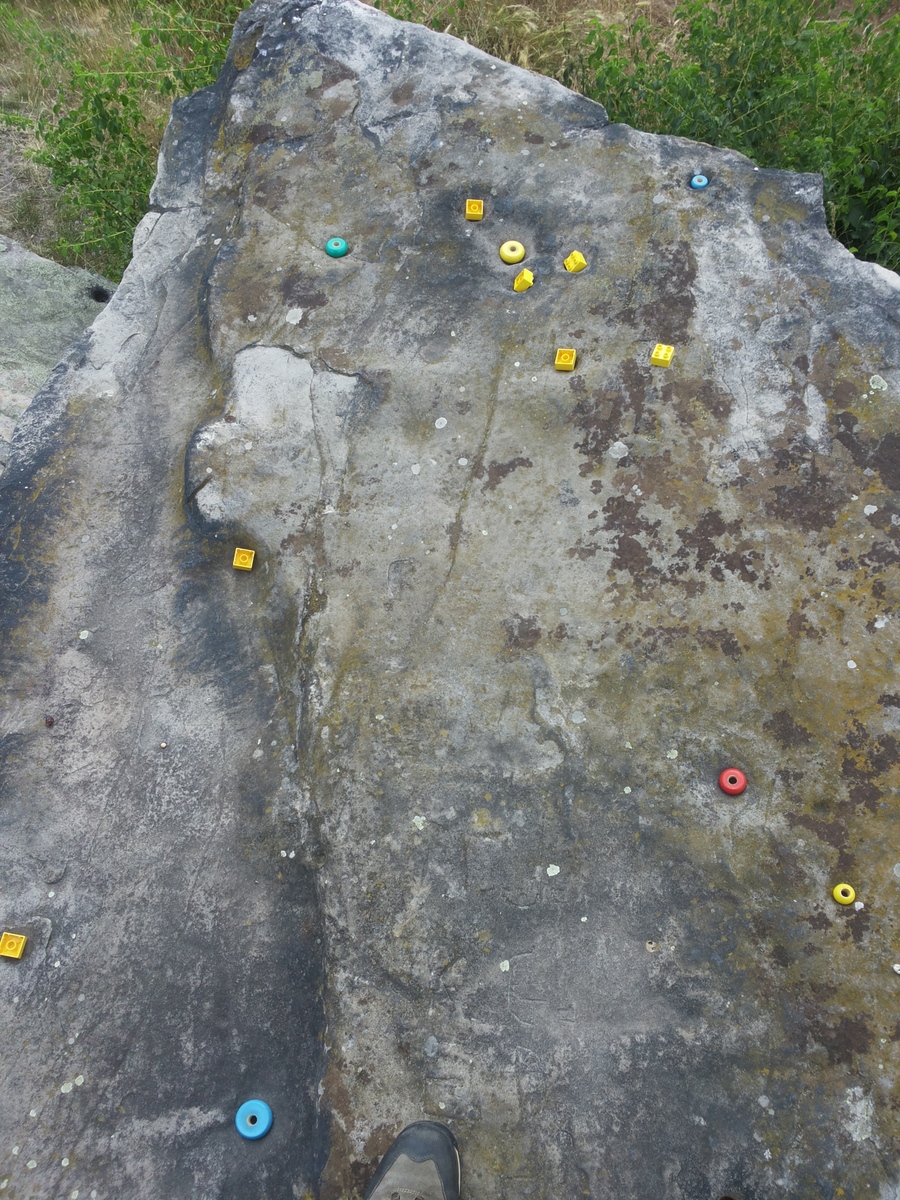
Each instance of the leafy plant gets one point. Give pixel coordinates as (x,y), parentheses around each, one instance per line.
(101,136)
(783,81)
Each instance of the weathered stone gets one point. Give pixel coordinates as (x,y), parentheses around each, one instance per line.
(505,627)
(43,308)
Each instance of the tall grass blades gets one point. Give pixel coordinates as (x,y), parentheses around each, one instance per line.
(787,82)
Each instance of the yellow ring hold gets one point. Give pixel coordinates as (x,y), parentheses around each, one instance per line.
(512,252)
(844,893)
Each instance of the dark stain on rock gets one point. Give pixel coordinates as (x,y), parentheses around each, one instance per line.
(701,539)
(787,731)
(832,832)
(498,471)
(818,921)
(404,93)
(886,461)
(686,394)
(522,633)
(300,291)
(534,138)
(454,532)
(270,193)
(720,639)
(333,72)
(263,132)
(812,503)
(889,700)
(850,1036)
(667,274)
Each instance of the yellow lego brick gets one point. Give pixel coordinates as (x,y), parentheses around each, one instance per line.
(523,280)
(575,262)
(243,559)
(474,210)
(565,360)
(12,945)
(662,355)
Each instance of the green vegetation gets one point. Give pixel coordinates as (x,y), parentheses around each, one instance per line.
(791,83)
(786,82)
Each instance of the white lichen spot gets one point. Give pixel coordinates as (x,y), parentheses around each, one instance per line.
(877,384)
(463,462)
(671,753)
(85,634)
(851,664)
(870,509)
(618,450)
(627,791)
(880,622)
(552,870)
(66,1088)
(897,968)
(294,316)
(861,1111)
(504,966)
(79,1080)
(763,1102)
(628,746)
(441,423)
(64,1161)
(419,821)
(31,1164)
(578,717)
(858,905)
(415,468)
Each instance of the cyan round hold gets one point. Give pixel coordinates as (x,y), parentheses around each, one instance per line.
(254,1119)
(336,248)
(699,182)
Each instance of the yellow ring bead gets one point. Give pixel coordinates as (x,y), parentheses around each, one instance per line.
(512,252)
(844,893)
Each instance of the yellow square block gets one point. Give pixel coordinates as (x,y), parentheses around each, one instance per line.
(243,559)
(523,280)
(565,360)
(474,210)
(662,355)
(12,945)
(575,262)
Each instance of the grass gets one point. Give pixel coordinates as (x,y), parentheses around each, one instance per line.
(85,89)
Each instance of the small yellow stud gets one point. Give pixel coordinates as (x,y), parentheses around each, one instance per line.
(243,559)
(523,281)
(565,360)
(662,355)
(12,945)
(512,252)
(575,262)
(844,893)
(474,210)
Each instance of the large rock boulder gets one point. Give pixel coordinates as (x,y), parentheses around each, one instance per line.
(44,307)
(421,815)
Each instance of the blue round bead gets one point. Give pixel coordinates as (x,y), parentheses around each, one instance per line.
(254,1119)
(336,248)
(699,182)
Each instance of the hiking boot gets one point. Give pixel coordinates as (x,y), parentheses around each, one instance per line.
(421,1164)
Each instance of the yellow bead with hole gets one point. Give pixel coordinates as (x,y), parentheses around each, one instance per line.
(12,945)
(512,252)
(243,559)
(474,210)
(523,281)
(565,360)
(844,893)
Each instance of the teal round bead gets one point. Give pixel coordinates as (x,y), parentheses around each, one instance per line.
(336,248)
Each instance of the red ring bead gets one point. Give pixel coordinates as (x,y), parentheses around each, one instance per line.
(732,781)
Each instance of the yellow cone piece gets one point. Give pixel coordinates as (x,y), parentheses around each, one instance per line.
(523,281)
(575,262)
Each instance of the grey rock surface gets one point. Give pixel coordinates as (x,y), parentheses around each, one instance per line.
(44,307)
(420,816)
